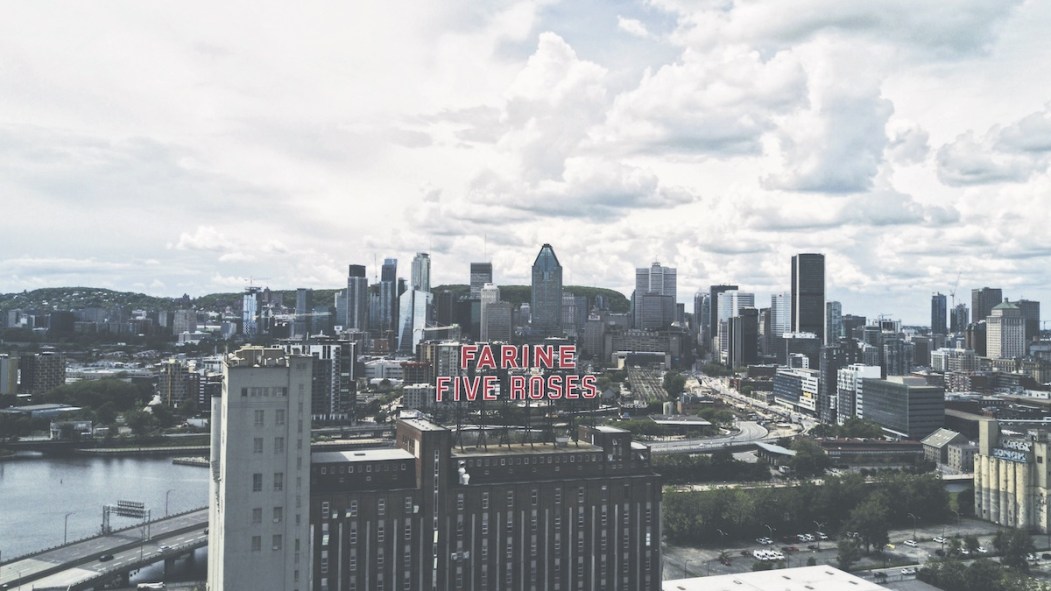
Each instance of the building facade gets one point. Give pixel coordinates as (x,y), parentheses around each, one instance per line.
(808,294)
(259,490)
(546,302)
(904,407)
(517,517)
(1005,332)
(1012,476)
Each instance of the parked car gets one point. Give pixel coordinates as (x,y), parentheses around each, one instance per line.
(908,570)
(911,543)
(939,540)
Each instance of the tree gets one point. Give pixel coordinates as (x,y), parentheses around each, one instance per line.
(140,421)
(871,519)
(849,553)
(810,458)
(674,383)
(1014,545)
(970,541)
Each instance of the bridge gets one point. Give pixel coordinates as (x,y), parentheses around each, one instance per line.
(77,565)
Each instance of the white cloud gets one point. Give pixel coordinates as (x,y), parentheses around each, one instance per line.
(632,26)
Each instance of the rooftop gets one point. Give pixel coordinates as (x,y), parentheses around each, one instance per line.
(365,455)
(805,578)
(941,438)
(524,449)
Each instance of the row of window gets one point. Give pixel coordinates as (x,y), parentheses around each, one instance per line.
(259,416)
(279,482)
(349,469)
(532,460)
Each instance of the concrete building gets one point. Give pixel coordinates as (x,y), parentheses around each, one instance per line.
(849,389)
(177,383)
(713,314)
(983,300)
(41,372)
(259,491)
(1005,332)
(8,375)
(481,273)
(357,298)
(1012,476)
(489,294)
(961,457)
(1031,315)
(433,515)
(936,445)
(333,391)
(655,296)
(833,322)
(796,389)
(939,313)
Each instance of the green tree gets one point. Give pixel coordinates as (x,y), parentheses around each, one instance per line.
(810,458)
(871,519)
(1013,545)
(674,383)
(970,542)
(849,553)
(140,422)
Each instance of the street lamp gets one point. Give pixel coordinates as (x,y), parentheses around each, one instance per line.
(771,529)
(914,519)
(65,527)
(820,528)
(166,493)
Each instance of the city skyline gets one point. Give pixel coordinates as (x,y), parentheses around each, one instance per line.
(147,151)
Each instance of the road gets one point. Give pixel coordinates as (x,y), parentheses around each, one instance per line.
(750,432)
(78,562)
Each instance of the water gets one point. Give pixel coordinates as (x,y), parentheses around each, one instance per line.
(36,493)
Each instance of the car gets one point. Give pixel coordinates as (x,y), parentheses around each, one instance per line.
(908,570)
(821,535)
(1030,557)
(166,548)
(910,543)
(983,550)
(105,558)
(940,540)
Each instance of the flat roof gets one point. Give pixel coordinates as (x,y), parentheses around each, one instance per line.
(804,578)
(423,425)
(360,455)
(679,420)
(608,429)
(525,449)
(776,449)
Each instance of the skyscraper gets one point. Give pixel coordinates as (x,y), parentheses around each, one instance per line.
(1005,332)
(481,273)
(939,311)
(421,272)
(357,298)
(654,280)
(304,308)
(983,300)
(960,318)
(808,294)
(833,322)
(490,294)
(546,301)
(387,314)
(250,312)
(1031,315)
(713,313)
(259,491)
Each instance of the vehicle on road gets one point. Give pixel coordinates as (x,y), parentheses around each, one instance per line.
(983,550)
(105,558)
(939,540)
(166,548)
(911,543)
(908,570)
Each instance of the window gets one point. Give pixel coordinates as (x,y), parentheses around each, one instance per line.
(277,541)
(324,509)
(257,543)
(353,511)
(279,514)
(279,416)
(381,507)
(259,418)
(257,445)
(379,533)
(279,481)
(257,482)
(257,515)
(485,500)
(279,445)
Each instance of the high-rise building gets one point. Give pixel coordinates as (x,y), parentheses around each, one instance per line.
(546,301)
(1031,315)
(357,298)
(413,318)
(259,491)
(489,294)
(744,338)
(701,307)
(939,311)
(8,375)
(904,406)
(1005,332)
(481,273)
(730,304)
(304,309)
(983,300)
(833,357)
(177,383)
(853,326)
(250,312)
(959,319)
(497,324)
(713,314)
(849,389)
(333,390)
(654,280)
(421,272)
(808,294)
(833,322)
(387,302)
(781,313)
(41,372)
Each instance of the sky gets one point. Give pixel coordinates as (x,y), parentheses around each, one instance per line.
(194,147)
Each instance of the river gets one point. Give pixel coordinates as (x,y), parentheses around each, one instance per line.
(37,492)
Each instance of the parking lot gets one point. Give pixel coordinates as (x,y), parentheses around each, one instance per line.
(680,561)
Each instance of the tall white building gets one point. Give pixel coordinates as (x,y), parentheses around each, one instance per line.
(490,294)
(849,392)
(1005,332)
(259,492)
(421,272)
(781,313)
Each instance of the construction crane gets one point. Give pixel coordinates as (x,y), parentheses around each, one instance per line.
(952,292)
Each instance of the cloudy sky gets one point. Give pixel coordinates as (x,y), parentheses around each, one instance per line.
(189,147)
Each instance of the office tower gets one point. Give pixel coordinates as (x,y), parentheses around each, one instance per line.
(259,491)
(250,312)
(713,314)
(904,406)
(8,375)
(413,317)
(959,319)
(1031,315)
(339,304)
(546,301)
(653,311)
(654,280)
(357,298)
(853,326)
(387,317)
(1005,332)
(744,338)
(939,311)
(421,272)
(569,312)
(184,321)
(975,337)
(834,322)
(701,307)
(304,310)
(489,294)
(497,324)
(833,357)
(983,300)
(41,373)
(481,273)
(730,303)
(781,314)
(431,514)
(808,294)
